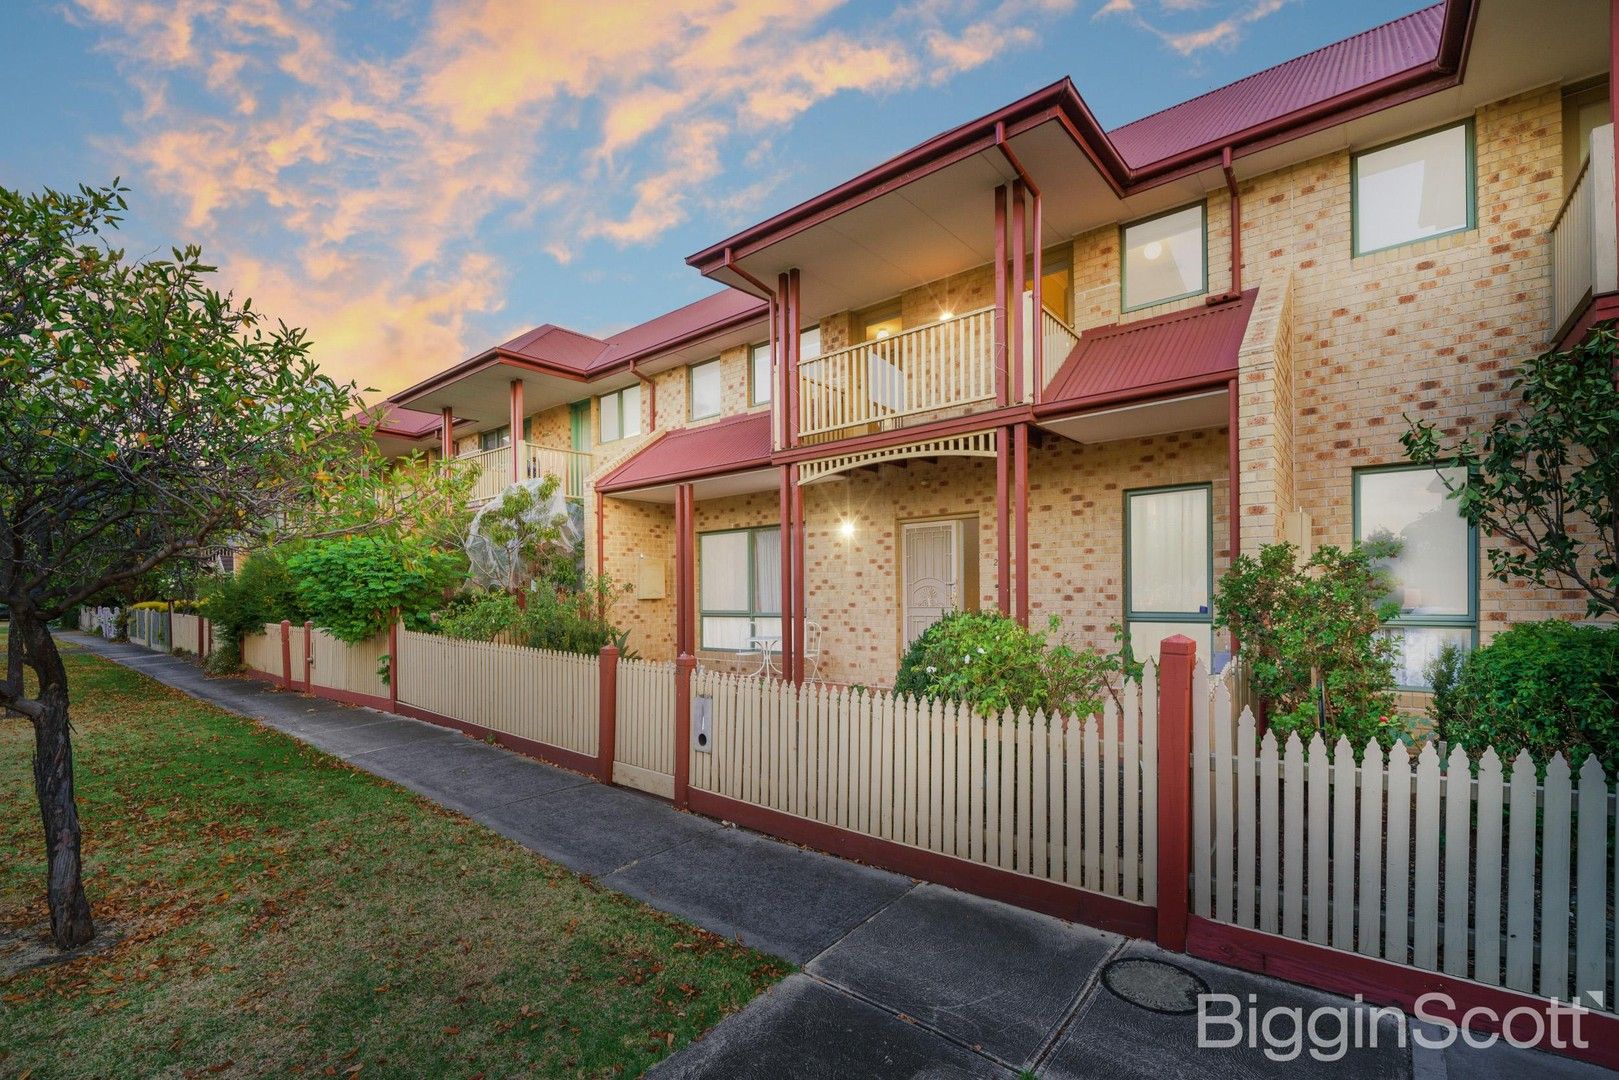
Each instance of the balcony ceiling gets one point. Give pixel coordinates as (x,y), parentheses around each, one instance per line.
(934,224)
(481,397)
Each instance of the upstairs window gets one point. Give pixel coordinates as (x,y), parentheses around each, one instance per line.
(759,381)
(1414,189)
(875,323)
(1165,258)
(494,440)
(620,413)
(704,390)
(1435,574)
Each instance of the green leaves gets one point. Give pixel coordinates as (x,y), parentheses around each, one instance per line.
(351,587)
(1544,478)
(1310,634)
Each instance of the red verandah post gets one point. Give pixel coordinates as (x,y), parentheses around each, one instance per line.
(1176,659)
(684,665)
(286,654)
(607,714)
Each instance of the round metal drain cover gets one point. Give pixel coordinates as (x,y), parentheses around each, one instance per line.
(1154,985)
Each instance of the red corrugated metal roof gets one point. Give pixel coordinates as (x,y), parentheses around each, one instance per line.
(711,313)
(557,345)
(390,419)
(1163,353)
(1337,69)
(725,446)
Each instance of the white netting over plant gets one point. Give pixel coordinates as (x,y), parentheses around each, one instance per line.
(516,531)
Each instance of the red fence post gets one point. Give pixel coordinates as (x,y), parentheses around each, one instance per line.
(607,714)
(684,665)
(1177,659)
(393,663)
(309,647)
(286,654)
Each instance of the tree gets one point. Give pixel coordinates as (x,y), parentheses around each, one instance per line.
(1546,475)
(145,417)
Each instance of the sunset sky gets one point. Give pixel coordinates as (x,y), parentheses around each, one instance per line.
(415,181)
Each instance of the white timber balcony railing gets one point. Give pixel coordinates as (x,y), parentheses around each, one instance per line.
(876,384)
(1585,253)
(1060,340)
(494,469)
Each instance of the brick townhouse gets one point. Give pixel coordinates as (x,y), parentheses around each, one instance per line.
(1035,366)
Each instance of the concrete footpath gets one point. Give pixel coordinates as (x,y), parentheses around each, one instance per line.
(898,978)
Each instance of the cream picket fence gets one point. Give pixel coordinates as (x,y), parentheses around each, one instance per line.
(184,630)
(1070,800)
(1495,876)
(262,652)
(338,665)
(644,746)
(535,694)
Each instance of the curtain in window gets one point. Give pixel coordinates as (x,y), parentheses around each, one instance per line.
(1169,552)
(767,571)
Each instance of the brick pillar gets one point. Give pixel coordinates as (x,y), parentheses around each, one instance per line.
(1265,416)
(1177,660)
(684,665)
(607,713)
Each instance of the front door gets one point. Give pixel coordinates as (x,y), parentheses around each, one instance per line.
(932,574)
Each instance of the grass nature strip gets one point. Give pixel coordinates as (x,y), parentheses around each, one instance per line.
(278,912)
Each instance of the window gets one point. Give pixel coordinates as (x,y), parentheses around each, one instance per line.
(884,320)
(494,440)
(809,344)
(1165,257)
(1168,567)
(759,384)
(739,587)
(620,413)
(704,389)
(1056,283)
(1436,572)
(1413,189)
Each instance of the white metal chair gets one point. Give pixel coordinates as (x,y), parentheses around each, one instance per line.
(812,650)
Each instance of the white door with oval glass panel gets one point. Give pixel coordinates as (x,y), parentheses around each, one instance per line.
(932,579)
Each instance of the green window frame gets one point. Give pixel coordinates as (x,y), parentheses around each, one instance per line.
(615,404)
(1467,622)
(1470,171)
(704,367)
(757,612)
(1124,231)
(1205,617)
(495,438)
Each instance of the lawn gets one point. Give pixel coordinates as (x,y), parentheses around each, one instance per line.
(277,912)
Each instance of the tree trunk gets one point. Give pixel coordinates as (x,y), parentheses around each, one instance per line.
(71,925)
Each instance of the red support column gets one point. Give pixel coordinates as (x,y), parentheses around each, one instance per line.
(446,432)
(784,647)
(1039,328)
(680,569)
(1003,521)
(1015,303)
(393,663)
(516,424)
(790,328)
(1000,297)
(1177,659)
(684,664)
(286,654)
(1020,502)
(1233,484)
(798,580)
(607,713)
(309,649)
(601,533)
(778,379)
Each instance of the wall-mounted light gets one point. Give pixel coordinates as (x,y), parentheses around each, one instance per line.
(846,529)
(946,316)
(1153,250)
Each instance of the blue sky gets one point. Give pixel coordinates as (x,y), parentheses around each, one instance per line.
(415,181)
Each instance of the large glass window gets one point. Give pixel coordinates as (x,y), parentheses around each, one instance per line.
(1165,257)
(705,389)
(620,413)
(1435,574)
(1168,568)
(739,587)
(1413,189)
(494,440)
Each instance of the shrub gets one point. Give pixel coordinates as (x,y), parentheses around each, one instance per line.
(1444,673)
(262,591)
(558,618)
(987,661)
(1310,634)
(1545,687)
(352,586)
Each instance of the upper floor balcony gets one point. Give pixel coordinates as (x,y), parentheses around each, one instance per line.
(941,368)
(1585,247)
(495,471)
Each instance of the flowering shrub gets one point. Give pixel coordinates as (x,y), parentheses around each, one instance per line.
(988,661)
